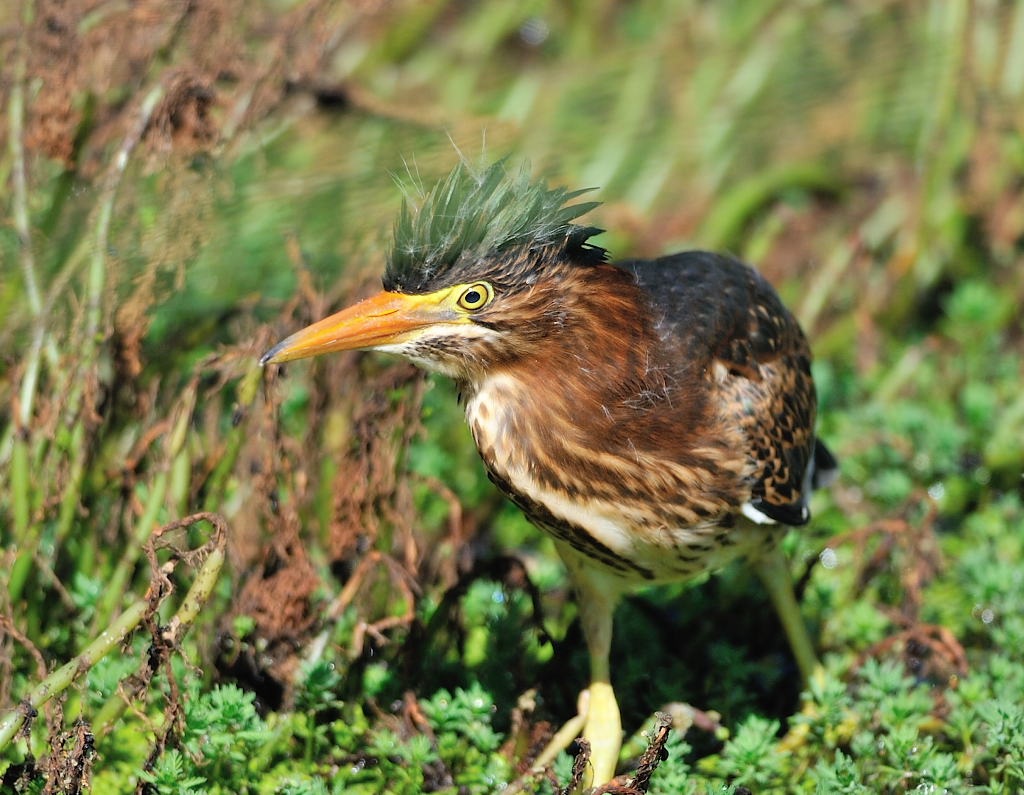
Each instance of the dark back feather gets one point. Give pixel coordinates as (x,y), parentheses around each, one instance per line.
(720,312)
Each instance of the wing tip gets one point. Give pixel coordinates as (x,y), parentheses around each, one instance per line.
(763,512)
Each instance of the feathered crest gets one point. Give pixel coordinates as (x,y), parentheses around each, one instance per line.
(478,212)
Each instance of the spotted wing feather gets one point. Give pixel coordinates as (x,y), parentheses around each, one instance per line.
(756,361)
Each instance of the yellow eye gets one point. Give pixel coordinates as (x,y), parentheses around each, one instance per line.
(476,296)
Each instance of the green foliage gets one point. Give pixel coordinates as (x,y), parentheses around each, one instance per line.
(303,786)
(104,677)
(826,712)
(219,744)
(465,738)
(887,696)
(673,776)
(170,775)
(1003,732)
(317,684)
(222,723)
(839,777)
(750,758)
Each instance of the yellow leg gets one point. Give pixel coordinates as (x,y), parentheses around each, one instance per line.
(604,731)
(597,595)
(773,570)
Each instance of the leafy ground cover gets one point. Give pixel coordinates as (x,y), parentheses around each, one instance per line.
(218,579)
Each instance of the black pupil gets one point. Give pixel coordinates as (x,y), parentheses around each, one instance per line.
(472,297)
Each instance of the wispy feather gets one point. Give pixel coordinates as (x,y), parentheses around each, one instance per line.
(471,212)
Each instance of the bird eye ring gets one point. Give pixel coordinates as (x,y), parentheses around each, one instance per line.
(476,296)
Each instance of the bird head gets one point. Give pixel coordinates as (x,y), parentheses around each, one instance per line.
(477,274)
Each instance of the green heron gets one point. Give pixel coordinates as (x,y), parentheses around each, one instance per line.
(654,417)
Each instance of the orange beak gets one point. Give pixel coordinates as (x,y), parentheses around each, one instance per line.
(384,319)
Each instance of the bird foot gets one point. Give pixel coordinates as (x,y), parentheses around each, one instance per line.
(603,729)
(597,720)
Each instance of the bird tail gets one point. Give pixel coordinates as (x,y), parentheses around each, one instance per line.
(824,468)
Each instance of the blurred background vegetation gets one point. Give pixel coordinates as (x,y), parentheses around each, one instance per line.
(185,183)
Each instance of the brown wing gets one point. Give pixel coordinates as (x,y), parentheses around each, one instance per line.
(733,325)
(768,391)
(776,413)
